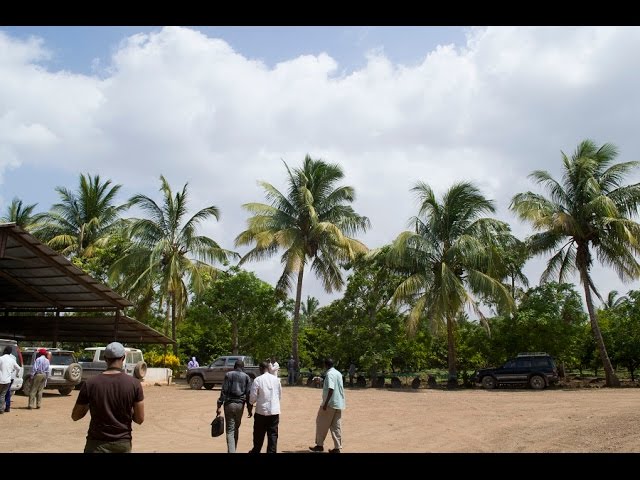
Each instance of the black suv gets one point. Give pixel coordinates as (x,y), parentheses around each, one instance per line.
(535,369)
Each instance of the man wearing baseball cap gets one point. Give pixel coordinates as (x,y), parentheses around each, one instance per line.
(114,400)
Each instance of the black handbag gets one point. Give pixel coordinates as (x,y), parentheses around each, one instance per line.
(217,426)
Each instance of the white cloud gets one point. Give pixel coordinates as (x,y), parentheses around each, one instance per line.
(188,106)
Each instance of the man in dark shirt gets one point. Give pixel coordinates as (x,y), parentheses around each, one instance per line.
(233,395)
(114,400)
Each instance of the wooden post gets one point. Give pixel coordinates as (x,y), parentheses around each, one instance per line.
(55,329)
(115,327)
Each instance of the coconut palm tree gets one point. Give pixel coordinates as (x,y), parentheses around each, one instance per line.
(22,215)
(452,258)
(312,223)
(165,250)
(614,300)
(308,310)
(589,211)
(83,219)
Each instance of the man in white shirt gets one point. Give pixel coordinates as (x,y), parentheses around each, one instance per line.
(274,366)
(265,394)
(8,366)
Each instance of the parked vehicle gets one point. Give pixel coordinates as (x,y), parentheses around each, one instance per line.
(213,374)
(64,372)
(15,350)
(93,362)
(534,369)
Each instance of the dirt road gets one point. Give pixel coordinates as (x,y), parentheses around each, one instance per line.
(464,421)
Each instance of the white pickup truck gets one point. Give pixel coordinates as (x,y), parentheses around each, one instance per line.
(93,362)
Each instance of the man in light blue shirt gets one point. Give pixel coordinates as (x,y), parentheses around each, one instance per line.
(39,376)
(329,416)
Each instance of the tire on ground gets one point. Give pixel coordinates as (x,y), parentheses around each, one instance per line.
(65,390)
(73,373)
(209,386)
(395,382)
(415,384)
(140,370)
(196,382)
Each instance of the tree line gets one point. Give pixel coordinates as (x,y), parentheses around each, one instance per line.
(455,259)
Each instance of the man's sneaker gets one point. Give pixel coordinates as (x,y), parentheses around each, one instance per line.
(334,450)
(317,448)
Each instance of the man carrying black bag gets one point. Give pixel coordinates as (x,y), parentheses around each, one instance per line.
(217,426)
(233,395)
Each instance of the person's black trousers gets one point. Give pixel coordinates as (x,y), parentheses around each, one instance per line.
(265,424)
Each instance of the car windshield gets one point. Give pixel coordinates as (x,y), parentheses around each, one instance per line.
(62,359)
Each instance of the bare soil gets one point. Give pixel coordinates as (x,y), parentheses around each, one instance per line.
(375,420)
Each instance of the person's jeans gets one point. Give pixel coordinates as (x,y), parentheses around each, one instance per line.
(7,397)
(3,391)
(233,419)
(291,379)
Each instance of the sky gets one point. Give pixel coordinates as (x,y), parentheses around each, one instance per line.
(221,108)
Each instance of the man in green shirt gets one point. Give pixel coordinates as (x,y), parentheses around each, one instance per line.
(329,416)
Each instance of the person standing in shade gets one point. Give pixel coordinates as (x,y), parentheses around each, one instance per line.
(291,371)
(352,373)
(193,363)
(329,416)
(233,395)
(8,369)
(39,376)
(266,392)
(114,400)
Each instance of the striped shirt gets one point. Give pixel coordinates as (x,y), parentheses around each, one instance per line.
(41,365)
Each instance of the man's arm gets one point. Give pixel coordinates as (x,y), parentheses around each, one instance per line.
(223,393)
(138,412)
(79,411)
(326,402)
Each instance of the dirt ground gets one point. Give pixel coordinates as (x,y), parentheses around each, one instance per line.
(390,421)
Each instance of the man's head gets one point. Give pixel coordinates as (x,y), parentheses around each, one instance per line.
(239,365)
(114,352)
(274,359)
(264,367)
(328,362)
(7,350)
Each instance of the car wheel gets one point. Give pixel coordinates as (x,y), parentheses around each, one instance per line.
(65,390)
(537,382)
(140,370)
(196,382)
(73,373)
(209,386)
(489,382)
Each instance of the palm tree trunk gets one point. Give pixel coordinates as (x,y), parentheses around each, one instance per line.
(173,323)
(296,316)
(167,318)
(610,375)
(453,375)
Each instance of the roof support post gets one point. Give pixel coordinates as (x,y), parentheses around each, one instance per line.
(56,324)
(115,326)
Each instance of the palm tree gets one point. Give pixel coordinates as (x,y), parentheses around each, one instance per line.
(83,219)
(589,211)
(450,257)
(22,215)
(312,223)
(165,250)
(614,300)
(309,309)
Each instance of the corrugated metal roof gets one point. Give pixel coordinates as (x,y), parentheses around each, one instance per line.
(35,278)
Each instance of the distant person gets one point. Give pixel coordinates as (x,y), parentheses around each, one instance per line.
(291,371)
(9,368)
(233,395)
(193,363)
(266,392)
(39,376)
(114,400)
(352,373)
(274,366)
(329,416)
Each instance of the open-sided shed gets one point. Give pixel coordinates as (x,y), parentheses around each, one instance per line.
(42,295)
